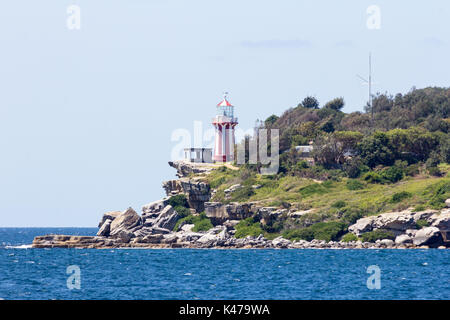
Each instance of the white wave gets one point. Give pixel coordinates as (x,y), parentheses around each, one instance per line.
(22,246)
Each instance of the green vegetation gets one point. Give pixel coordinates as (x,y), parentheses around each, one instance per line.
(375,235)
(248,227)
(349,237)
(201,222)
(180,205)
(399,196)
(422,223)
(327,231)
(360,168)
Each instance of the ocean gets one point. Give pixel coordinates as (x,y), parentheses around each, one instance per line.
(27,273)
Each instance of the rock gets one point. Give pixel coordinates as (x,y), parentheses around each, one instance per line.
(267,214)
(429,236)
(197,192)
(153,209)
(124,235)
(230,224)
(280,242)
(167,219)
(111,215)
(447,203)
(402,239)
(361,226)
(170,238)
(125,221)
(184,169)
(231,189)
(395,222)
(157,230)
(208,238)
(298,214)
(105,228)
(153,238)
(219,213)
(442,222)
(387,242)
(187,227)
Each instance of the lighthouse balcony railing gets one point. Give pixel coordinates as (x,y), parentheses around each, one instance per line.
(223,119)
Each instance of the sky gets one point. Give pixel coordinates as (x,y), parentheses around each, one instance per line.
(87,115)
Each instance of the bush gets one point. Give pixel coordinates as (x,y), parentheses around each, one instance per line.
(422,223)
(327,231)
(182,211)
(372,177)
(201,222)
(354,185)
(375,235)
(392,174)
(399,196)
(178,201)
(439,192)
(248,227)
(349,237)
(434,171)
(351,215)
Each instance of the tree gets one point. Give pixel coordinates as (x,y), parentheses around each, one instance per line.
(271,120)
(310,103)
(335,104)
(377,149)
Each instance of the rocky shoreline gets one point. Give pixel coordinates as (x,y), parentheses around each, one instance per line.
(154,228)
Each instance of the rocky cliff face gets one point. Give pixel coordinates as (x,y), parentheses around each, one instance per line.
(155,226)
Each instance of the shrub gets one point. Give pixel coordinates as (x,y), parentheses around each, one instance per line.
(375,235)
(178,201)
(422,223)
(299,234)
(201,222)
(349,237)
(182,211)
(351,215)
(354,185)
(439,193)
(420,207)
(372,177)
(327,231)
(248,227)
(392,174)
(399,196)
(434,171)
(412,170)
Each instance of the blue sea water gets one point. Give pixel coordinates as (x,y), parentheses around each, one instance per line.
(27,273)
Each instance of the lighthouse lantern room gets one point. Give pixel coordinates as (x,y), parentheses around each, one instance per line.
(224,122)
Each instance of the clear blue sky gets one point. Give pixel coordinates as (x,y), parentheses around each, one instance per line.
(86,115)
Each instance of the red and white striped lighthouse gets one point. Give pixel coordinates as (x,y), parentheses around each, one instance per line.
(224,123)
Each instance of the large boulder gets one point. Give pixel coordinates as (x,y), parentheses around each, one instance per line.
(105,228)
(402,239)
(197,192)
(442,222)
(153,209)
(184,169)
(167,219)
(125,221)
(429,236)
(396,222)
(219,213)
(111,215)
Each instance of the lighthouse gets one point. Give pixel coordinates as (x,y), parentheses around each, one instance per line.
(224,123)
